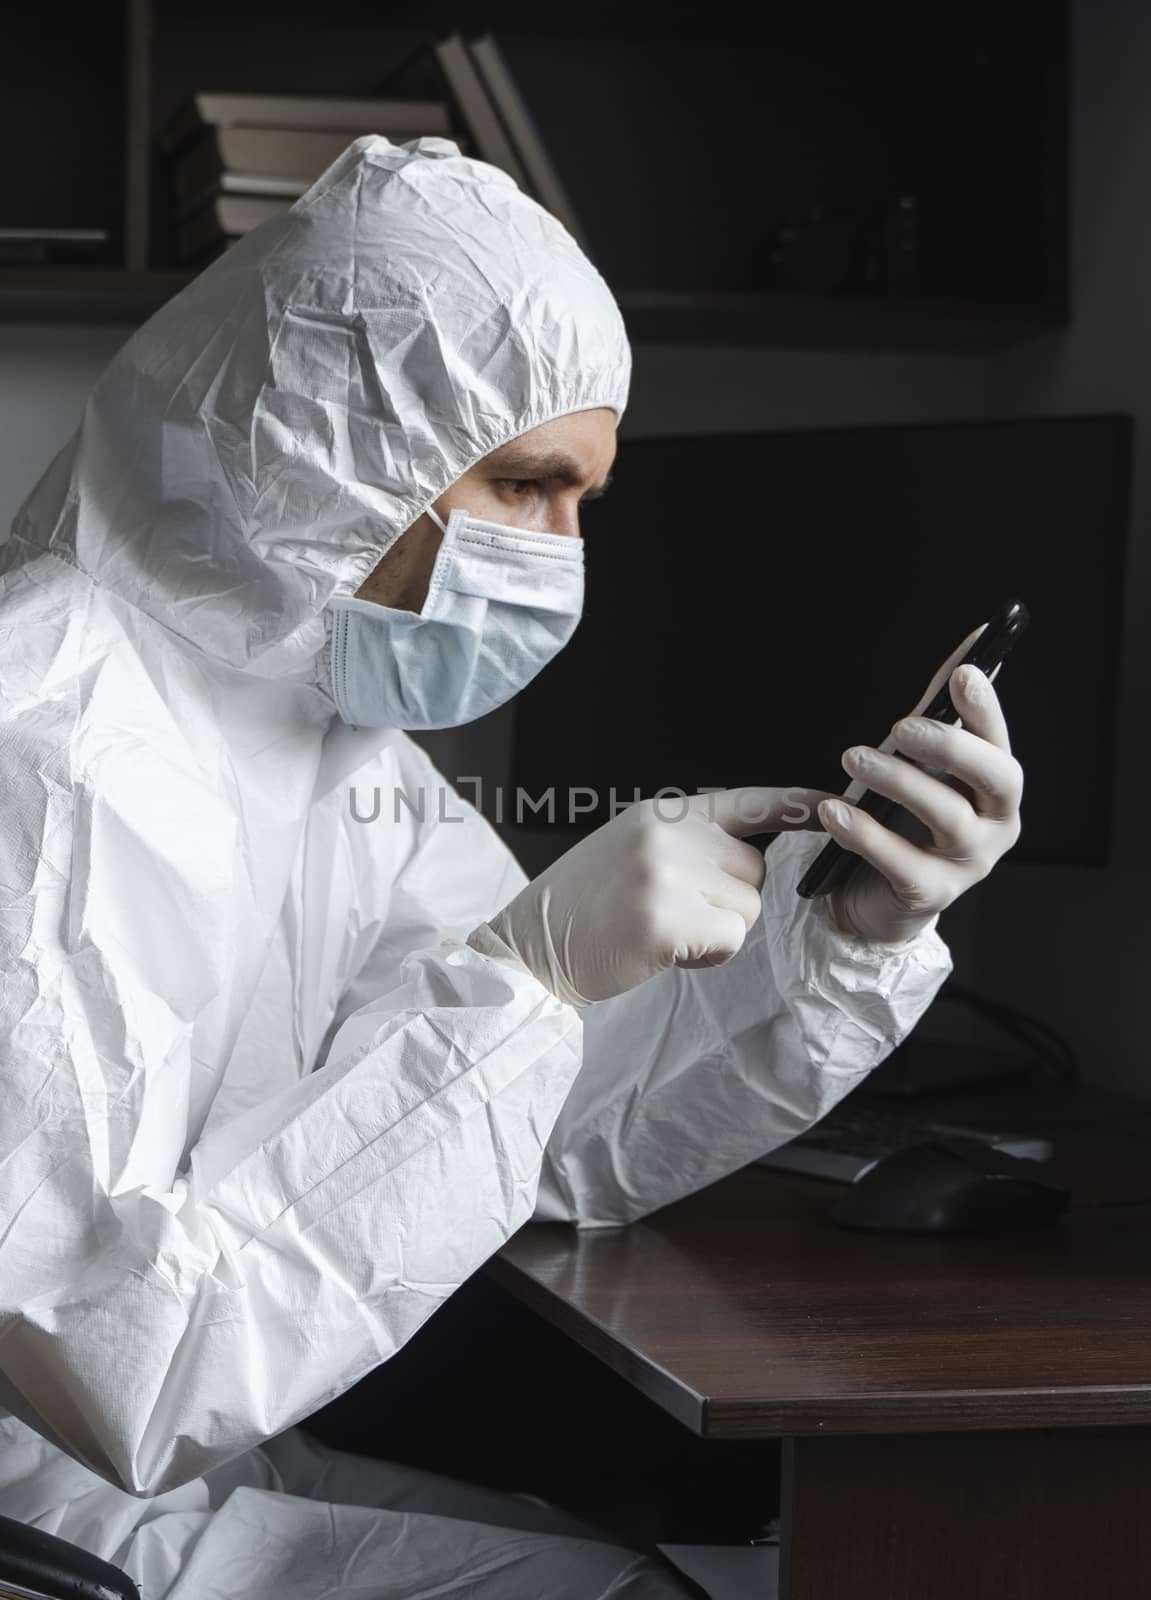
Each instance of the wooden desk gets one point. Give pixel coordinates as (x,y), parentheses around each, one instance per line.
(962,1417)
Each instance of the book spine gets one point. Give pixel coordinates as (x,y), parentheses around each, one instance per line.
(477,110)
(524,135)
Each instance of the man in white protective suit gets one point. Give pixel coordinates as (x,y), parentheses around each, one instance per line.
(277,1081)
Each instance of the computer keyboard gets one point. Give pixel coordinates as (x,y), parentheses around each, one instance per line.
(857,1133)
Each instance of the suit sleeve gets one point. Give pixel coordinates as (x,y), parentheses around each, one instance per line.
(695,1073)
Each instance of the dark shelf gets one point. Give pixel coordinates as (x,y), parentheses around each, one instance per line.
(831,322)
(84,294)
(843,114)
(802,322)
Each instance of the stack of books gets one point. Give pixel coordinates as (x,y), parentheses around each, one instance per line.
(236,160)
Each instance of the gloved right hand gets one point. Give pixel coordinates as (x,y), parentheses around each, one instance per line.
(667,882)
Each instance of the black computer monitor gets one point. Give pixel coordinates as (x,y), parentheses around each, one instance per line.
(757,602)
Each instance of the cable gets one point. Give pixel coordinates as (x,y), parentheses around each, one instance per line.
(1050,1048)
(1020,1025)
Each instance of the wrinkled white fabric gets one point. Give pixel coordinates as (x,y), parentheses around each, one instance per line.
(263,1107)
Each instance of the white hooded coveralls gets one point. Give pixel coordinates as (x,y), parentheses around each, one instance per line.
(263,1108)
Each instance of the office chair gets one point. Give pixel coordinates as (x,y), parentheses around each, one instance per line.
(38,1566)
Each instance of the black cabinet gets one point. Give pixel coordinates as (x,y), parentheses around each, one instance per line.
(881,176)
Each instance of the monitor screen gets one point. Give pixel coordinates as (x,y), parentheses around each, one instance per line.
(756,603)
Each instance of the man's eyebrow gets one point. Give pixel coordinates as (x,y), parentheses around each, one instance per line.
(547,463)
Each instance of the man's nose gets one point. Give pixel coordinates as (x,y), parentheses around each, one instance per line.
(565,519)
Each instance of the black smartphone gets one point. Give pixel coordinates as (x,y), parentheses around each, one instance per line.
(834,866)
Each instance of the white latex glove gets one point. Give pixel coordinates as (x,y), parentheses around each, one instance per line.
(961,788)
(667,882)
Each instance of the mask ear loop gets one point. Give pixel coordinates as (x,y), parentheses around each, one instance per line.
(443,554)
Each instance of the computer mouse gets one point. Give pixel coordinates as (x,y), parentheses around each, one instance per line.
(951,1185)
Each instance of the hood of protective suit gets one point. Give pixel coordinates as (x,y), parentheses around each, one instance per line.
(262,441)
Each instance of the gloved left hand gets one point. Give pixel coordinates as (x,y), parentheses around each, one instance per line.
(963,799)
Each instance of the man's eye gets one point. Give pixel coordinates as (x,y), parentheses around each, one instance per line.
(519,484)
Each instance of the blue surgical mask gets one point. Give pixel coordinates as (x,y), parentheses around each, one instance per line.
(501,603)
